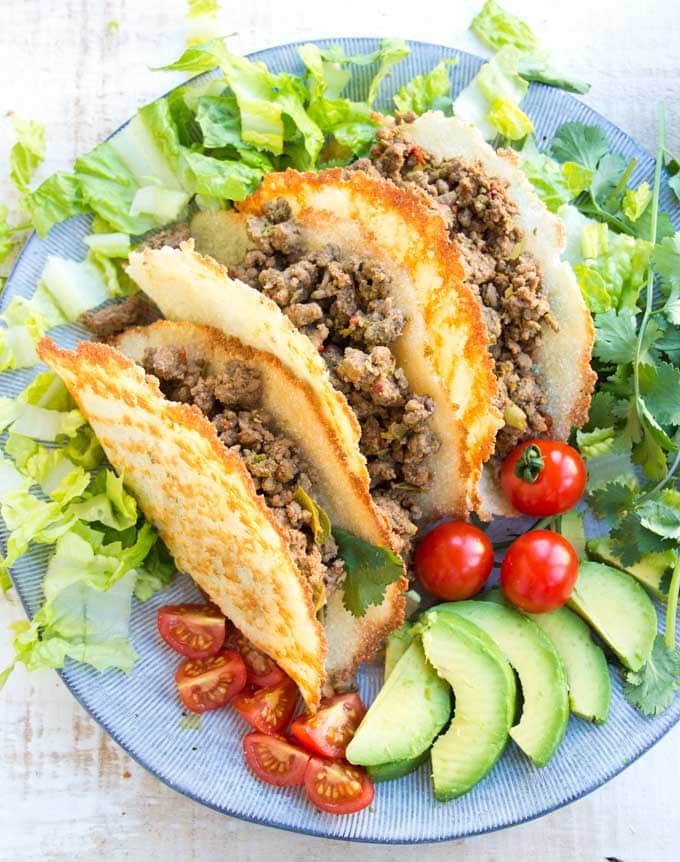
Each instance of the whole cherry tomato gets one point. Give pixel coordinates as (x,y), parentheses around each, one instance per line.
(454,560)
(543,477)
(539,571)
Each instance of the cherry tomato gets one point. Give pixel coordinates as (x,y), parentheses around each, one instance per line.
(329,731)
(269,709)
(210,683)
(454,560)
(539,571)
(262,670)
(196,631)
(275,760)
(337,787)
(543,477)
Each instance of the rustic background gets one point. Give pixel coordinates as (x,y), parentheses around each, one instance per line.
(66,791)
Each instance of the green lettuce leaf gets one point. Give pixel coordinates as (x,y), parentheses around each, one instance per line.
(427,92)
(636,201)
(27,153)
(498,28)
(537,68)
(58,198)
(509,120)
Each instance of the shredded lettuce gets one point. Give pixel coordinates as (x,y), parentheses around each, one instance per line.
(430,91)
(27,153)
(491,100)
(58,198)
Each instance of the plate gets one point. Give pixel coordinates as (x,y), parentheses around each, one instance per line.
(141,712)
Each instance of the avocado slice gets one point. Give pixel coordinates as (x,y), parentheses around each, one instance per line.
(484,690)
(397,644)
(652,571)
(590,686)
(396,769)
(619,610)
(408,713)
(541,673)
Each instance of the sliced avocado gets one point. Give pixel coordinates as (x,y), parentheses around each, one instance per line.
(619,610)
(408,713)
(390,771)
(397,644)
(652,571)
(484,691)
(541,673)
(590,686)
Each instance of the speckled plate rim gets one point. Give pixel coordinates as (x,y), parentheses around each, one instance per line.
(657,730)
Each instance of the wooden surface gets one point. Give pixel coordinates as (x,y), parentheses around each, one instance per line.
(66,791)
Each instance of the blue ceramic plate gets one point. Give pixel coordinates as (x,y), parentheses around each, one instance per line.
(141,711)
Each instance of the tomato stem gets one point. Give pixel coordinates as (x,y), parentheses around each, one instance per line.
(530,464)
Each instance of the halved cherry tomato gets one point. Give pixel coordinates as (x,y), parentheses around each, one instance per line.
(269,709)
(337,787)
(539,571)
(196,631)
(329,731)
(210,683)
(543,477)
(454,560)
(262,670)
(275,760)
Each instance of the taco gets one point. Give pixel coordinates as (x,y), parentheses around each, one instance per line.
(356,278)
(250,488)
(540,329)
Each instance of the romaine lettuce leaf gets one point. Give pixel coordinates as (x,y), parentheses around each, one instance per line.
(27,153)
(56,199)
(430,91)
(498,28)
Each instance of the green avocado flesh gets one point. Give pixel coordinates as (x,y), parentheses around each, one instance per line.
(484,690)
(650,571)
(397,644)
(541,673)
(390,771)
(619,610)
(590,686)
(410,710)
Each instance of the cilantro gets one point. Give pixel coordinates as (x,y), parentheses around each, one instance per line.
(660,386)
(615,336)
(577,142)
(369,571)
(660,517)
(651,689)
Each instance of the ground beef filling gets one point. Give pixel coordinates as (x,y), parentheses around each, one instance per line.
(113,319)
(231,400)
(343,304)
(483,221)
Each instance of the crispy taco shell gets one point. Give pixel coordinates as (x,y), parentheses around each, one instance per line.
(564,357)
(443,347)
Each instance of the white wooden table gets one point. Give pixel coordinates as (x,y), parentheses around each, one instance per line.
(66,791)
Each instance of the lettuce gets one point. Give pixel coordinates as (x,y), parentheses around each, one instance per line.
(58,198)
(22,326)
(430,91)
(109,244)
(494,95)
(611,268)
(27,153)
(498,28)
(226,179)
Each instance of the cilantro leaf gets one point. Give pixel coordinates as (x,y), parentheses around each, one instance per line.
(608,173)
(370,570)
(613,500)
(661,388)
(660,517)
(674,186)
(615,336)
(577,142)
(651,689)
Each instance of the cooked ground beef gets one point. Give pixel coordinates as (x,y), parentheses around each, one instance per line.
(483,221)
(114,319)
(172,236)
(231,400)
(343,304)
